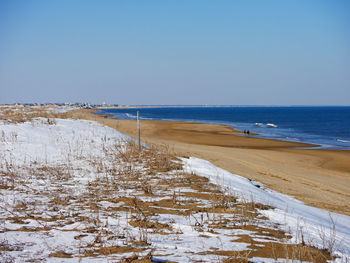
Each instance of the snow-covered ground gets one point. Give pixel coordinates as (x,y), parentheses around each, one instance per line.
(321,228)
(69,191)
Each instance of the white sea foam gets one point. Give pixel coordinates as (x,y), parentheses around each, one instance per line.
(271,125)
(131,116)
(340,140)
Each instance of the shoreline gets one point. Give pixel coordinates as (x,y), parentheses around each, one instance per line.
(268,133)
(318,177)
(235,132)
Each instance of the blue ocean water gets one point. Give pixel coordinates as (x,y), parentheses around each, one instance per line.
(327,126)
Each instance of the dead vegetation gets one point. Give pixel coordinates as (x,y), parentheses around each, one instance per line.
(137,200)
(21,113)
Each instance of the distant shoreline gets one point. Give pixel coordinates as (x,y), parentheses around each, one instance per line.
(240,132)
(287,138)
(296,144)
(215,106)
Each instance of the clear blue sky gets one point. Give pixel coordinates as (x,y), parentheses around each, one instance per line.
(292,52)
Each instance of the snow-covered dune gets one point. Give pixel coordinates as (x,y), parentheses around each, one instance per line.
(318,227)
(64,182)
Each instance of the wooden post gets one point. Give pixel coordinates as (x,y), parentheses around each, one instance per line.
(138,130)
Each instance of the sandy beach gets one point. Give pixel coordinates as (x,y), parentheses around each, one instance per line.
(317,177)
